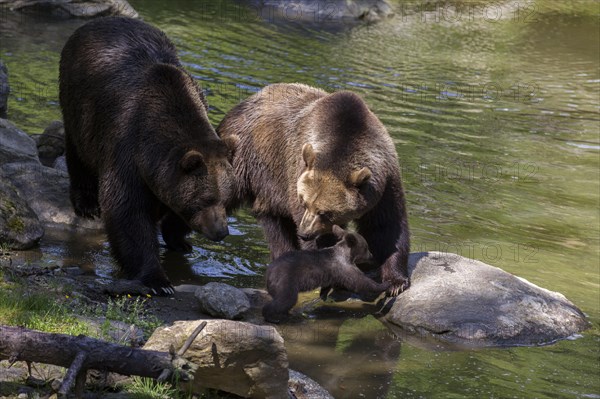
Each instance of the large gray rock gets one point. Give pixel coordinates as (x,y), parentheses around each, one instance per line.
(222,300)
(237,357)
(51,143)
(46,190)
(19,225)
(47,193)
(75,8)
(465,301)
(4,90)
(16,145)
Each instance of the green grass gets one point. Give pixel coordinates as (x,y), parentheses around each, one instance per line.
(147,388)
(58,311)
(130,310)
(49,312)
(37,311)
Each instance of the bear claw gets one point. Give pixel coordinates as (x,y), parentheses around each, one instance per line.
(398,288)
(163,291)
(159,285)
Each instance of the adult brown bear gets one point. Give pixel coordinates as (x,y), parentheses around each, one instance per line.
(307,160)
(139,146)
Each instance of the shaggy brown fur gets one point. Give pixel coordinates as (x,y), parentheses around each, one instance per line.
(307,160)
(333,267)
(139,145)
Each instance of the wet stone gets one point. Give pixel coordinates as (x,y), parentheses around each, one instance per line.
(222,300)
(464,301)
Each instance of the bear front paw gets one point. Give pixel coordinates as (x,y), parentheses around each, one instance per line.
(159,285)
(397,286)
(272,315)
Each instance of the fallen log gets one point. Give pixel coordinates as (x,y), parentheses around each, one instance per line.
(80,353)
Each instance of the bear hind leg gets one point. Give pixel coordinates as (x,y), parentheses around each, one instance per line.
(278,309)
(83,190)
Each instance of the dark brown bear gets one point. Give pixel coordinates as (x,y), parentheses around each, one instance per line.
(333,267)
(139,146)
(307,160)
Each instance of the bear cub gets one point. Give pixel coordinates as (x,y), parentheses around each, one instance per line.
(333,267)
(141,152)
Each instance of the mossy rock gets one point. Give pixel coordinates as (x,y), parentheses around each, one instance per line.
(19,225)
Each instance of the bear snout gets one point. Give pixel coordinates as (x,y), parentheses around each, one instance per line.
(211,222)
(217,235)
(306,237)
(311,226)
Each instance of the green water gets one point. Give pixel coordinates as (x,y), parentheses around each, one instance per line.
(495,115)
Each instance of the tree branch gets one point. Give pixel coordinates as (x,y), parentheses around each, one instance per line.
(81,353)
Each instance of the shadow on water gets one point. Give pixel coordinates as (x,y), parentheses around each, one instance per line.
(347,350)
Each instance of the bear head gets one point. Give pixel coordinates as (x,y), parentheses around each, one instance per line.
(359,249)
(202,183)
(328,199)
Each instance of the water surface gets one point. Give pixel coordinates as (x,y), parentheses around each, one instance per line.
(495,116)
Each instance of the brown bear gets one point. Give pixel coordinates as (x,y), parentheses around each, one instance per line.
(307,160)
(332,267)
(139,146)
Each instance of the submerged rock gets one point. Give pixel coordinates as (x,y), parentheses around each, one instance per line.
(232,356)
(464,301)
(75,8)
(19,225)
(335,12)
(222,300)
(304,387)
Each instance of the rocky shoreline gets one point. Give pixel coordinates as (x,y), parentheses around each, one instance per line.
(452,299)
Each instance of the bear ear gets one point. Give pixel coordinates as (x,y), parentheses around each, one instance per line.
(192,160)
(360,177)
(351,240)
(308,155)
(231,142)
(338,232)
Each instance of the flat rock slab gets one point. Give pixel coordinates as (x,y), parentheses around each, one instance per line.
(464,301)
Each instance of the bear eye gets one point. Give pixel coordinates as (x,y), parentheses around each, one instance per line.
(209,202)
(301,199)
(328,216)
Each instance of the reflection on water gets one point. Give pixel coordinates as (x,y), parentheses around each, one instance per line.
(496,120)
